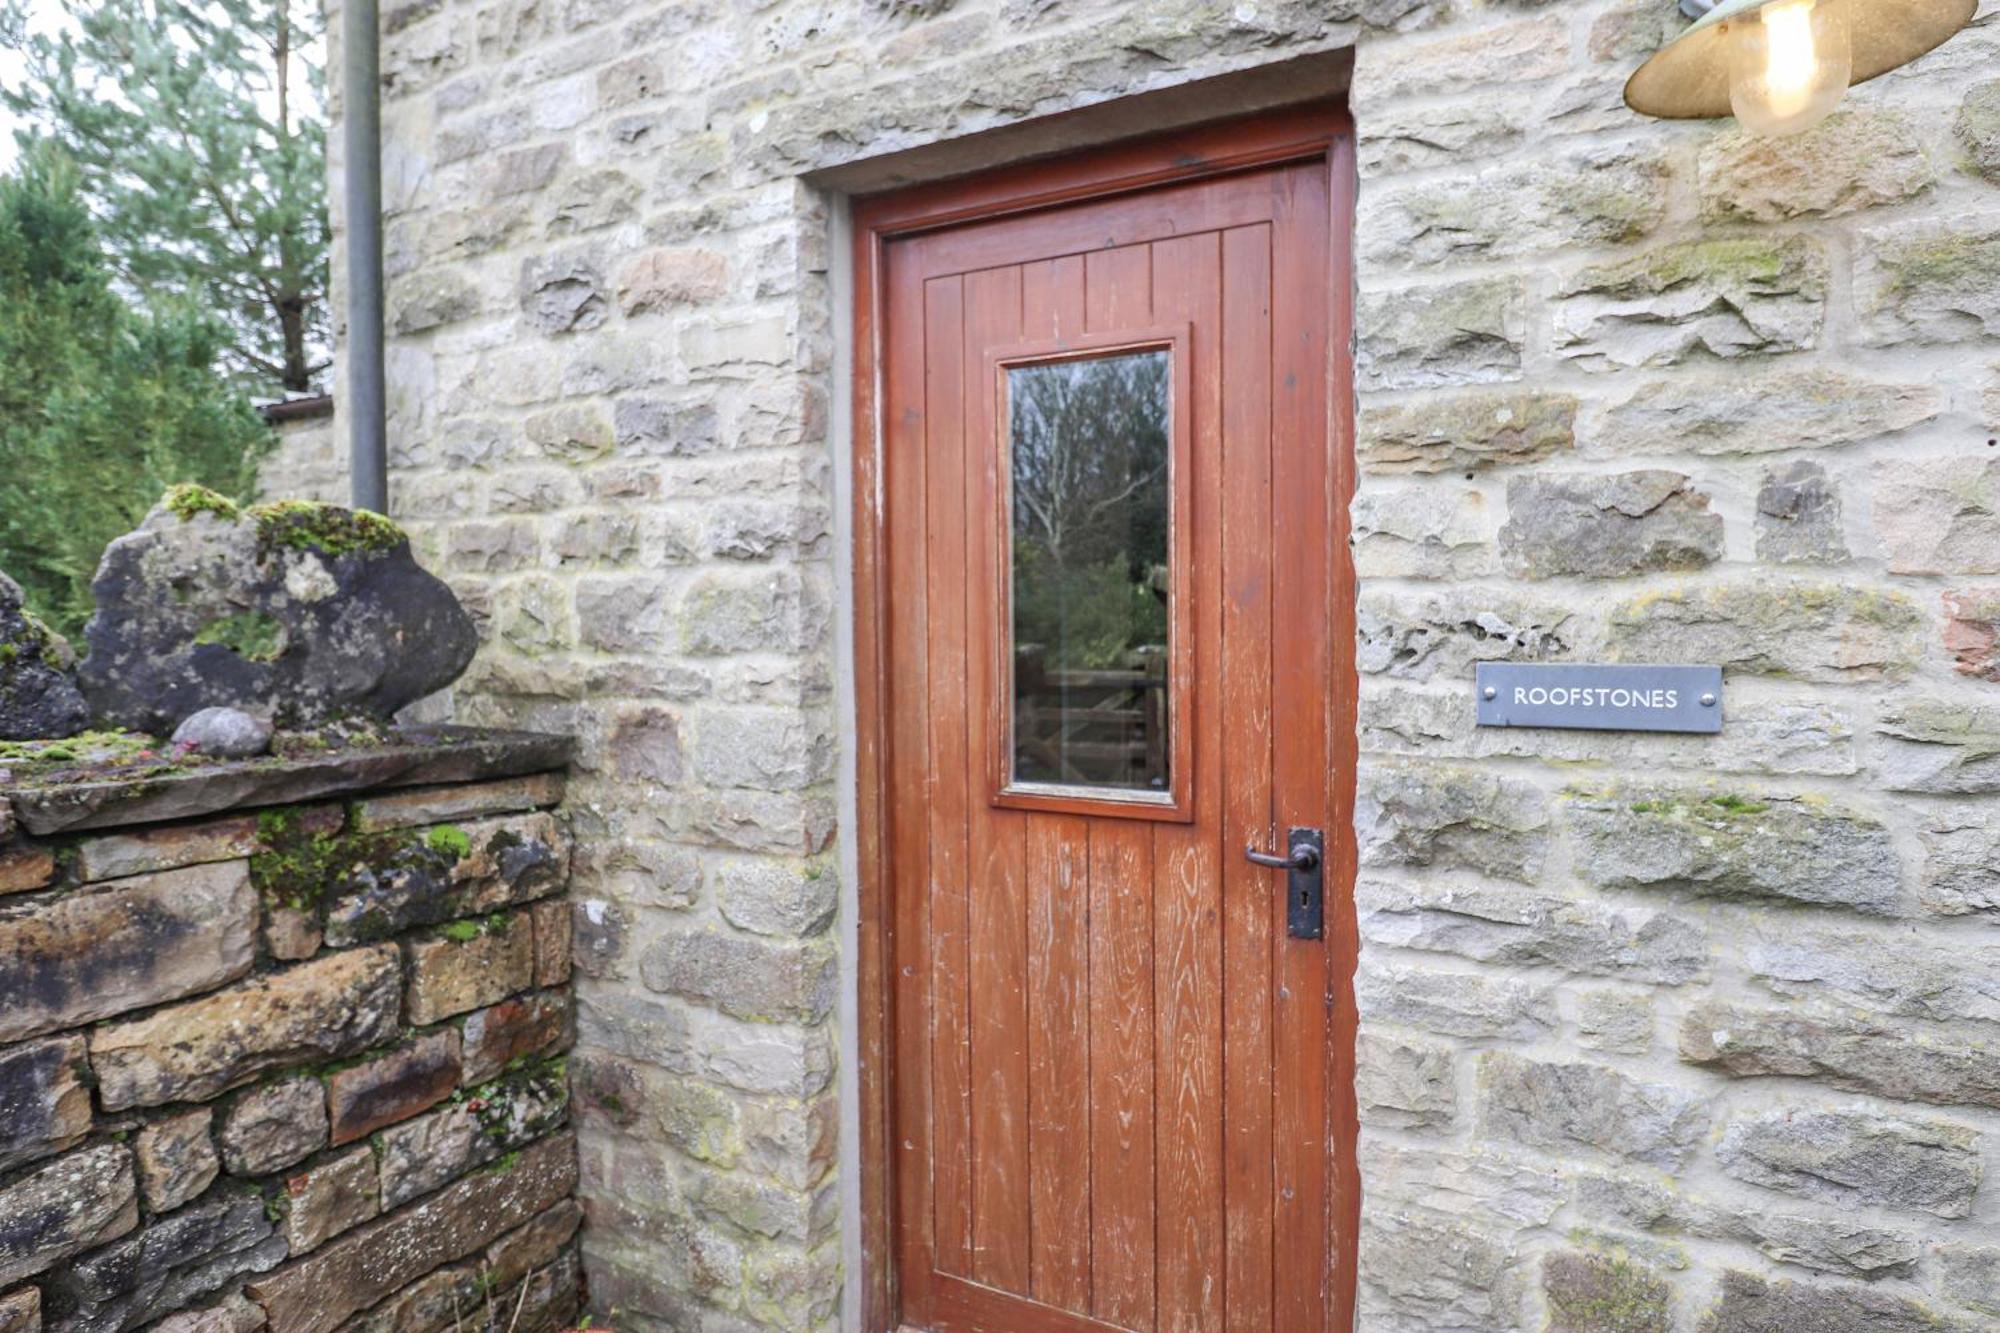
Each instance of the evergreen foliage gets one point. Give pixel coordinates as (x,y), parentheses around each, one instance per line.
(102,406)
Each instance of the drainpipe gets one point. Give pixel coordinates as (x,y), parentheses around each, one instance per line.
(367,394)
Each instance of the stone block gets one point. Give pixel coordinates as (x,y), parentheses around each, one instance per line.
(1614,1020)
(64,1207)
(272,1127)
(24,865)
(532,1245)
(524,1025)
(1717,298)
(1454,1004)
(21,1311)
(291,934)
(1748,1303)
(767,749)
(345,1276)
(644,745)
(1972,632)
(138,942)
(1977,126)
(1928,282)
(1961,863)
(553,930)
(401,879)
(1730,845)
(750,611)
(776,896)
(747,976)
(665,428)
(1426,636)
(44,1100)
(175,1261)
(1514,52)
(1746,411)
(1404,1084)
(1589,525)
(1464,432)
(1856,160)
(563,293)
(1500,1188)
(177,1159)
(332,1198)
(660,280)
(1605,1293)
(1562,1106)
(465,969)
(235,1314)
(1527,928)
(621,615)
(1422,533)
(422,1154)
(322,1010)
(1940,515)
(1455,134)
(1971,1276)
(417,1075)
(1857,1157)
(1894,974)
(1420,1271)
(447,805)
(1842,1049)
(1798,516)
(1821,632)
(1440,817)
(1468,332)
(1939,746)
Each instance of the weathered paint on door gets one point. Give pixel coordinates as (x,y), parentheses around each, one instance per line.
(1121,1093)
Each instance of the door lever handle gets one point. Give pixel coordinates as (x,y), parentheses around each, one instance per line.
(1305,884)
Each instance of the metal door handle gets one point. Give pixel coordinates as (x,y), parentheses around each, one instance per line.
(1305,885)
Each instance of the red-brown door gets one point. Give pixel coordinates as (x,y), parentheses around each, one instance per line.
(1117,634)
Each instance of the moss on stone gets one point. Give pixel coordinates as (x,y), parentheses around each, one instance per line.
(187,500)
(449,839)
(306,525)
(1947,263)
(255,636)
(1603,1293)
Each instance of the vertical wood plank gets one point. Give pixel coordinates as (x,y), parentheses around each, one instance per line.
(1302,692)
(1248,895)
(996,838)
(1188,874)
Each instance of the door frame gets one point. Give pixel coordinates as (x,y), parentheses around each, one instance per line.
(1320,130)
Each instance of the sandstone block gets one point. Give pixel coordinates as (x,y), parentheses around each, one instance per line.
(524,1025)
(1615,1020)
(1446,634)
(1939,515)
(1404,1084)
(465,969)
(234,1314)
(1893,975)
(271,1127)
(1750,1304)
(1559,1107)
(1939,746)
(417,1075)
(447,805)
(321,1010)
(1821,632)
(1977,126)
(290,933)
(1856,160)
(316,1293)
(665,428)
(1798,516)
(1494,924)
(1528,49)
(1464,432)
(1733,846)
(1717,298)
(768,749)
(23,865)
(747,976)
(1972,633)
(173,1262)
(776,896)
(1422,533)
(400,880)
(1440,817)
(645,745)
(330,1199)
(66,1206)
(1842,1050)
(1744,411)
(1457,134)
(1500,1188)
(137,942)
(1432,337)
(1961,863)
(142,851)
(1829,1245)
(553,930)
(1843,1156)
(532,1245)
(1602,1293)
(1587,525)
(21,1311)
(177,1159)
(1454,1004)
(657,280)
(1929,282)
(44,1101)
(621,615)
(1424,1272)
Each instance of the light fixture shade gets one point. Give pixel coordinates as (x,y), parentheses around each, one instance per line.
(1688,78)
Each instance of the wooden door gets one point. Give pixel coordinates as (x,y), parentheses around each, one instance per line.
(1116,652)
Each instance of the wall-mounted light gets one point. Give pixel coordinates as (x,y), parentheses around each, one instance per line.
(1782,66)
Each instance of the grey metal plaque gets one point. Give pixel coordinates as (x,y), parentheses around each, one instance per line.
(1600,698)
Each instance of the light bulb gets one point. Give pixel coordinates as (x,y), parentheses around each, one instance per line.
(1789,65)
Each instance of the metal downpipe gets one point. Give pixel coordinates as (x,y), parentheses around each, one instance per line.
(361,123)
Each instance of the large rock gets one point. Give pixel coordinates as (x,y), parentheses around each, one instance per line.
(38,695)
(1586,525)
(304,612)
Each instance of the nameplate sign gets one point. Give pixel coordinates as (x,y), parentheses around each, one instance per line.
(1600,698)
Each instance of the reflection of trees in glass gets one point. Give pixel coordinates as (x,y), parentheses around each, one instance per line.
(1089,457)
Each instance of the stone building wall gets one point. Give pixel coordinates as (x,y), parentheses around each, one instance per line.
(287,1067)
(1629,391)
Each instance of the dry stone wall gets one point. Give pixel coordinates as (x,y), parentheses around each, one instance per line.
(291,1068)
(1628,391)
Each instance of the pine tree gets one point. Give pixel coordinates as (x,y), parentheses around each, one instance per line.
(196,128)
(102,406)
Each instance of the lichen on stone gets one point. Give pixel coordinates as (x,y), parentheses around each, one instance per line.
(249,634)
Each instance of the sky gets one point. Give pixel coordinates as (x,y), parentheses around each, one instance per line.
(43,14)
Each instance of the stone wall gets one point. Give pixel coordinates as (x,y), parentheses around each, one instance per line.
(292,1067)
(309,461)
(1629,391)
